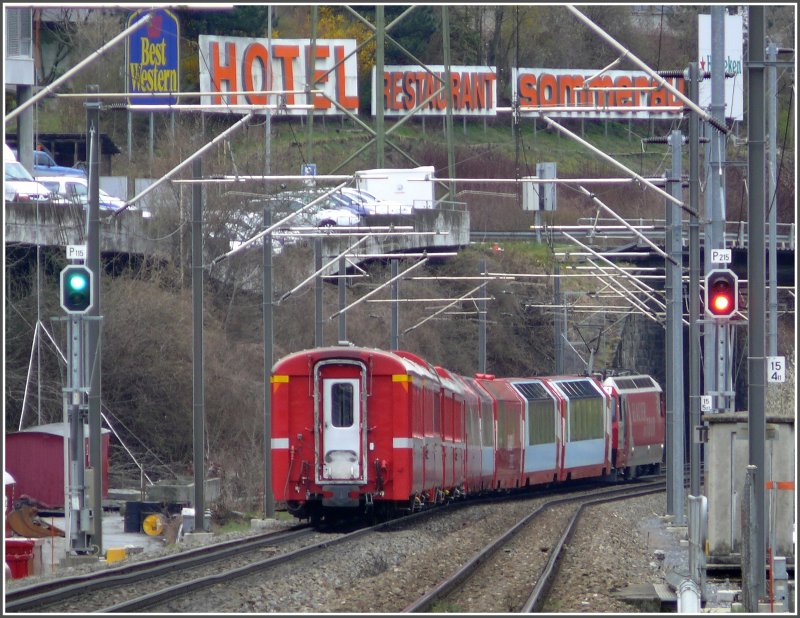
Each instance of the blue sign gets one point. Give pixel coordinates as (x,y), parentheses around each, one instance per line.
(154,58)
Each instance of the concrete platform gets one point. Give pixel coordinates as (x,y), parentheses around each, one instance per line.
(649,597)
(54,550)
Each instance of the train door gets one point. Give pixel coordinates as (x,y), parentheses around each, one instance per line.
(340,423)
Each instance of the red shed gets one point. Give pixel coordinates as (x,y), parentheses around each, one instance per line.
(35,458)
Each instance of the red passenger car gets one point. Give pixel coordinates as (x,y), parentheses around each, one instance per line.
(360,429)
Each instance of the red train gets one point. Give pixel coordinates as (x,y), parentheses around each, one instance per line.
(360,430)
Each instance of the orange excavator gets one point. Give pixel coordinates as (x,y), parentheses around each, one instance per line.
(24,519)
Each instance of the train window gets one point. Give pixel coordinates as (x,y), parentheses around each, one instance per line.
(585,419)
(578,389)
(541,422)
(625,383)
(643,382)
(503,415)
(437,415)
(342,404)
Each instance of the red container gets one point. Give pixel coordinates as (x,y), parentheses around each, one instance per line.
(35,458)
(19,557)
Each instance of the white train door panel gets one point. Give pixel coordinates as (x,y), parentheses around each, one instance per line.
(341,439)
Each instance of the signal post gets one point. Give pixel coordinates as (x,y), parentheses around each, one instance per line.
(76,295)
(721,300)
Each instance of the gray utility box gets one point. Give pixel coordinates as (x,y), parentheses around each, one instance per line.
(726,460)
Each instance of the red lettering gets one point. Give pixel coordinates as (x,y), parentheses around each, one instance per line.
(455,90)
(640,96)
(419,86)
(409,80)
(395,79)
(548,90)
(223,73)
(603,98)
(320,76)
(526,89)
(387,99)
(658,98)
(348,102)
(467,89)
(255,51)
(673,100)
(480,94)
(624,96)
(435,87)
(569,89)
(287,54)
(488,80)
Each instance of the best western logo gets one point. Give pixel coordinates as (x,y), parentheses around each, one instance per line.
(153,58)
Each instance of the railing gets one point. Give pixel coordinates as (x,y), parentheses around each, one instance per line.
(735,231)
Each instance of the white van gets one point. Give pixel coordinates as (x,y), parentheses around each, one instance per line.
(19,184)
(76,191)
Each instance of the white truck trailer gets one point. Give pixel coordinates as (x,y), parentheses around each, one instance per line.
(412,188)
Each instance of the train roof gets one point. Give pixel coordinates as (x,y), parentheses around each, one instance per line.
(298,362)
(636,383)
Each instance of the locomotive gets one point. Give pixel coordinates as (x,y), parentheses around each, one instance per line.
(367,431)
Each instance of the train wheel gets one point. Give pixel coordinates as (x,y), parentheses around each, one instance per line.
(315,515)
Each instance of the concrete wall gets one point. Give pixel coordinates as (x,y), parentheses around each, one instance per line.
(726,459)
(58,225)
(451,227)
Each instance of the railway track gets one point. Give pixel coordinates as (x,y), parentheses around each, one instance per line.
(481,567)
(91,591)
(198,578)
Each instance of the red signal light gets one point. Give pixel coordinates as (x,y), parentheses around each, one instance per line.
(721,293)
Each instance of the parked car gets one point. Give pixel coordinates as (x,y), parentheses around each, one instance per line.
(76,191)
(19,185)
(45,165)
(329,212)
(369,204)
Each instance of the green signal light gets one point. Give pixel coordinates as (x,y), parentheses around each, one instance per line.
(78,282)
(76,289)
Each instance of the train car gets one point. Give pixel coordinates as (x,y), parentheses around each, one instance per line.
(586,427)
(454,397)
(481,438)
(508,408)
(543,438)
(639,424)
(355,430)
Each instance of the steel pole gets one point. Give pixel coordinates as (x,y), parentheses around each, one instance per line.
(675,333)
(482,323)
(92,352)
(756,363)
(694,282)
(395,322)
(267,311)
(318,332)
(772,201)
(342,298)
(198,411)
(380,42)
